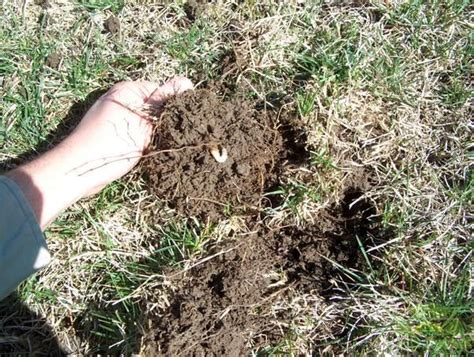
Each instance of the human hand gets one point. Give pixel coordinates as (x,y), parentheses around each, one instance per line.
(107,143)
(110,139)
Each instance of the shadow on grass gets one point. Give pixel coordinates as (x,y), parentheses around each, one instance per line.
(67,125)
(23,332)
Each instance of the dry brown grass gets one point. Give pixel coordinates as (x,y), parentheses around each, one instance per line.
(393,100)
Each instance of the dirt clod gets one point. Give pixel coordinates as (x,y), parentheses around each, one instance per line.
(53,60)
(194,8)
(112,25)
(182,170)
(45,4)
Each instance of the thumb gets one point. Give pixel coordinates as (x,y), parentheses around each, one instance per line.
(172,87)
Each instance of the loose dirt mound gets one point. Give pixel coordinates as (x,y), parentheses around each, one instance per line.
(223,306)
(181,169)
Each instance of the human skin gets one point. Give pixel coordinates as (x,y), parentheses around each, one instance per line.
(108,142)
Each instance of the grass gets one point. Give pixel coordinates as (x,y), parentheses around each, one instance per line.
(115,325)
(305,102)
(437,321)
(296,198)
(380,88)
(101,5)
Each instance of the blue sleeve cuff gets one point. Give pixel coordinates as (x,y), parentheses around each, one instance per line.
(23,249)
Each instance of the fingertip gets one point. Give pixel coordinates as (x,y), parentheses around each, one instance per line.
(181,84)
(174,86)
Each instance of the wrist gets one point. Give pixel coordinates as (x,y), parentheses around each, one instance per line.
(47,187)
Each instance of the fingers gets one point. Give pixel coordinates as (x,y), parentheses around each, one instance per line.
(130,93)
(134,94)
(172,87)
(146,88)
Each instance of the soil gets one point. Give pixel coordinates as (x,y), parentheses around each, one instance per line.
(53,60)
(181,169)
(194,8)
(45,4)
(222,307)
(112,25)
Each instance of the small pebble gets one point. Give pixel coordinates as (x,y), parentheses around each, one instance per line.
(242,169)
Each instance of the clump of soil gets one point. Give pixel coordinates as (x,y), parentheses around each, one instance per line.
(181,169)
(53,60)
(194,8)
(223,307)
(45,4)
(112,25)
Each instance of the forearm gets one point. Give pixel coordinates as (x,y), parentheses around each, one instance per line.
(79,166)
(48,186)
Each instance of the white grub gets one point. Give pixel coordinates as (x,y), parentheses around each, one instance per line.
(219,153)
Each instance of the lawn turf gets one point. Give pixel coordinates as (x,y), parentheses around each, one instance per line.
(378,87)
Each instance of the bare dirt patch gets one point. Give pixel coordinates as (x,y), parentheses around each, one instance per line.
(195,131)
(224,306)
